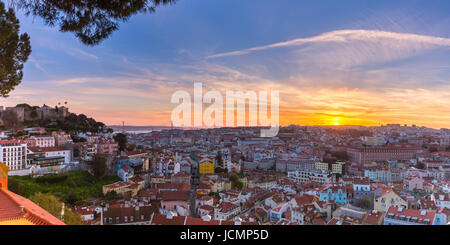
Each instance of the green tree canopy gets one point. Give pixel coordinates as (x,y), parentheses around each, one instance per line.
(91,21)
(100,167)
(236,182)
(48,202)
(54,206)
(219,159)
(14,51)
(365,203)
(420,165)
(121,139)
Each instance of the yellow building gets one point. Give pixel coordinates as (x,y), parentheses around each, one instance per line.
(119,187)
(206,167)
(388,199)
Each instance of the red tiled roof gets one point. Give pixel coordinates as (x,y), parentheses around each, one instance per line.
(11,208)
(174,195)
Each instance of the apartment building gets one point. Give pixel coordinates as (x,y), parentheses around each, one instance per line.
(44,141)
(13,153)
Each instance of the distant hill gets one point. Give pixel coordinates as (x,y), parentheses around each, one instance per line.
(138,128)
(52,118)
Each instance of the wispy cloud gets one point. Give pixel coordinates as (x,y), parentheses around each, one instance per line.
(396,40)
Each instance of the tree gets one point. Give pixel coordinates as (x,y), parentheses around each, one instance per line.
(365,203)
(72,218)
(236,183)
(215,194)
(121,139)
(218,170)
(234,178)
(111,196)
(48,202)
(72,198)
(14,51)
(420,165)
(14,186)
(219,159)
(131,147)
(54,206)
(91,21)
(433,149)
(242,157)
(340,155)
(99,165)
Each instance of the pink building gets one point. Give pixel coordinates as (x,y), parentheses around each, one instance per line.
(175,201)
(414,183)
(107,147)
(433,164)
(375,154)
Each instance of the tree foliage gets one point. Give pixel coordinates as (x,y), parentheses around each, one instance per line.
(48,202)
(100,167)
(218,170)
(79,123)
(420,165)
(91,21)
(236,182)
(340,155)
(14,51)
(54,206)
(364,202)
(433,149)
(121,139)
(219,159)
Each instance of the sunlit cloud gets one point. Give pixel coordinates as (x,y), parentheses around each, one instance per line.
(404,42)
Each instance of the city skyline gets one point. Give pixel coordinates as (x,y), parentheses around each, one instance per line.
(358,63)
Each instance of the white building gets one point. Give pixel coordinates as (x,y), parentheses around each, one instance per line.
(14,154)
(304,176)
(442,200)
(44,141)
(52,152)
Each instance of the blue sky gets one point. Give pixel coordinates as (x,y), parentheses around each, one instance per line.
(357,62)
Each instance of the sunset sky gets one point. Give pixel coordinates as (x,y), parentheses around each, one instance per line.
(334,62)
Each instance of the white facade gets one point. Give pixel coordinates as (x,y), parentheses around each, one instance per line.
(311,175)
(13,154)
(44,141)
(60,153)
